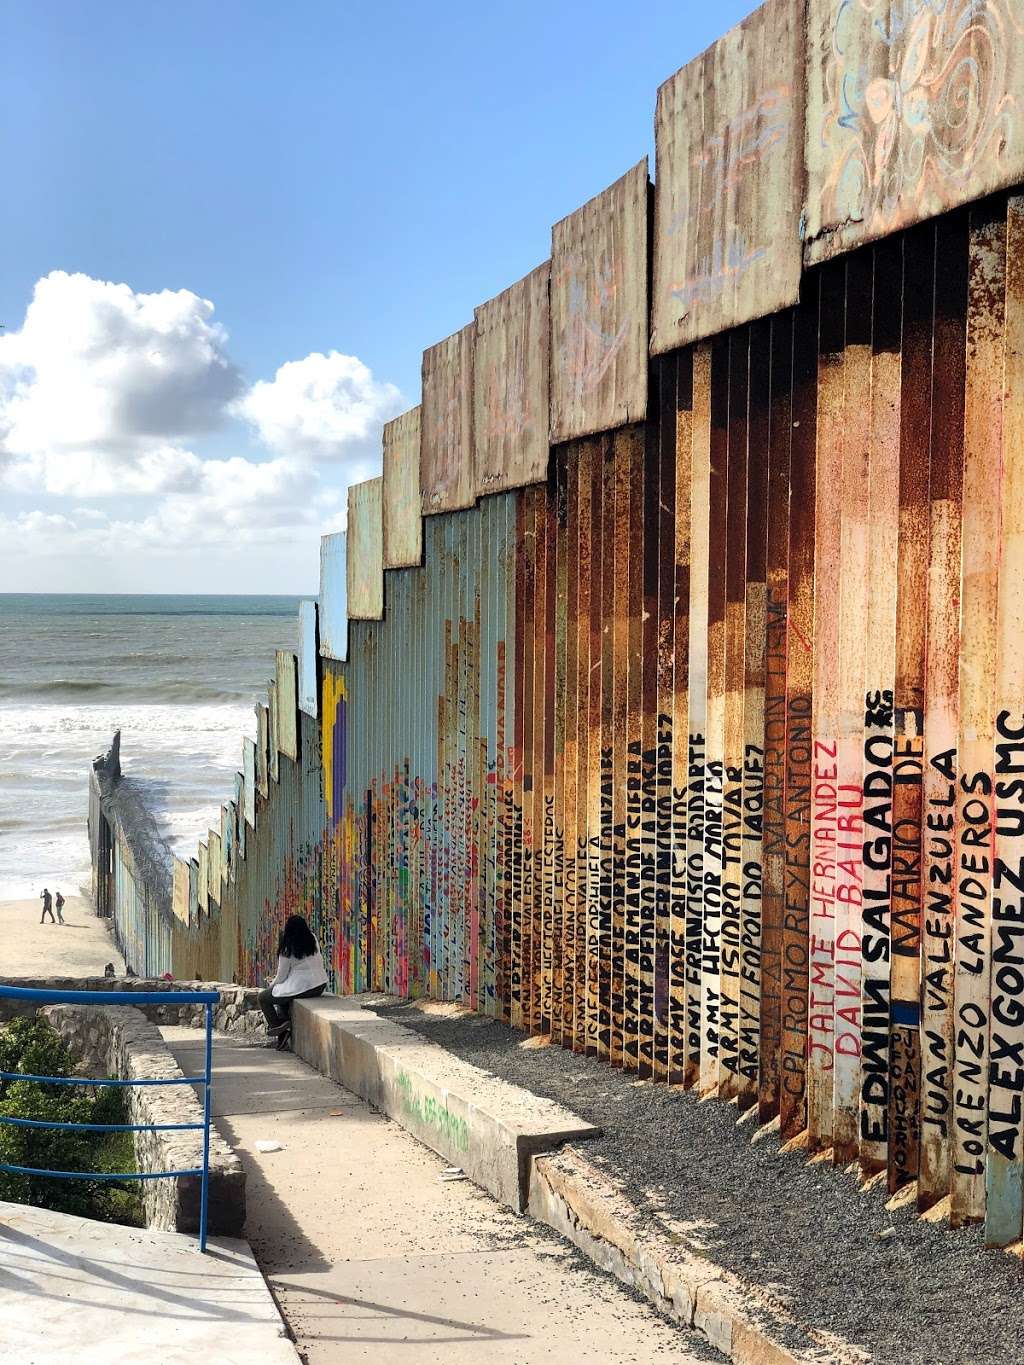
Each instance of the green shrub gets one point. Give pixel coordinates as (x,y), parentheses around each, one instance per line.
(31,1047)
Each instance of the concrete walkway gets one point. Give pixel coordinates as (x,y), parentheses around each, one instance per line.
(373,1257)
(73,1289)
(81,946)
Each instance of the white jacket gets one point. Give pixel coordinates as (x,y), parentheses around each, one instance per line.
(296,975)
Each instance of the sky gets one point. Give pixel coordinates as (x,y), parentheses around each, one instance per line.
(231,230)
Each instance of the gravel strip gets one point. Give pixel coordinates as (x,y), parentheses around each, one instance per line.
(919,1295)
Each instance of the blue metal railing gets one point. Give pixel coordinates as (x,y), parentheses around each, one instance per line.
(45,997)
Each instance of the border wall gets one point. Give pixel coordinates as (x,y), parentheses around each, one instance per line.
(667,696)
(131,867)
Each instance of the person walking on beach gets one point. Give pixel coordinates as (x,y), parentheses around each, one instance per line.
(60,906)
(300,975)
(47,900)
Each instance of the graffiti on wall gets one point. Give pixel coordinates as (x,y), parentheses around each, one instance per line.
(914,107)
(728,182)
(427,1112)
(599,311)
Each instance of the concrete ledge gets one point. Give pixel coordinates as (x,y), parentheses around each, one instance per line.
(474,1120)
(117,1041)
(746,1323)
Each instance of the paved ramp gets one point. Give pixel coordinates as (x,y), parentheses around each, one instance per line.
(373,1257)
(75,1290)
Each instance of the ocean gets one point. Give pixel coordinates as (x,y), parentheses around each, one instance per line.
(177,675)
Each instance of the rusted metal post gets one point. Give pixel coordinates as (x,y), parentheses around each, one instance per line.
(879,683)
(1004,1177)
(853,606)
(939,871)
(733,706)
(678,965)
(983,452)
(696,797)
(780,438)
(825,725)
(799,684)
(755,644)
(715,763)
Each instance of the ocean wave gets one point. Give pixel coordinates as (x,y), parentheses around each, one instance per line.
(81,690)
(179,690)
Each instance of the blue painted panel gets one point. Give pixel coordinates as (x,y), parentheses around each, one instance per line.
(308,658)
(334,597)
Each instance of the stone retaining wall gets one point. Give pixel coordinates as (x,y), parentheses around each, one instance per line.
(120,1042)
(237,1012)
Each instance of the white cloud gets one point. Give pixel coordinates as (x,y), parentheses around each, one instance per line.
(326,407)
(107,393)
(233,503)
(100,384)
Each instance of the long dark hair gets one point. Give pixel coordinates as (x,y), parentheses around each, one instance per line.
(296,938)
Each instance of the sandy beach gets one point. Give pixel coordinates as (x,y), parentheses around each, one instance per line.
(81,946)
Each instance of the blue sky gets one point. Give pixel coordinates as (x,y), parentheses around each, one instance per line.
(332,179)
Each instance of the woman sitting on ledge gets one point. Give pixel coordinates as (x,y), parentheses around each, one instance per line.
(300,975)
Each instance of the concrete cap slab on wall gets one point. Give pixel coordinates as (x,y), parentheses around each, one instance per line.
(239,804)
(446,424)
(274,741)
(599,310)
(262,750)
(203,883)
(286,691)
(365,556)
(334,596)
(193,890)
(403,508)
(511,413)
(215,867)
(309,649)
(179,891)
(229,839)
(964,57)
(729,133)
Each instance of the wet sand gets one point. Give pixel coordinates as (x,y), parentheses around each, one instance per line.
(81,946)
